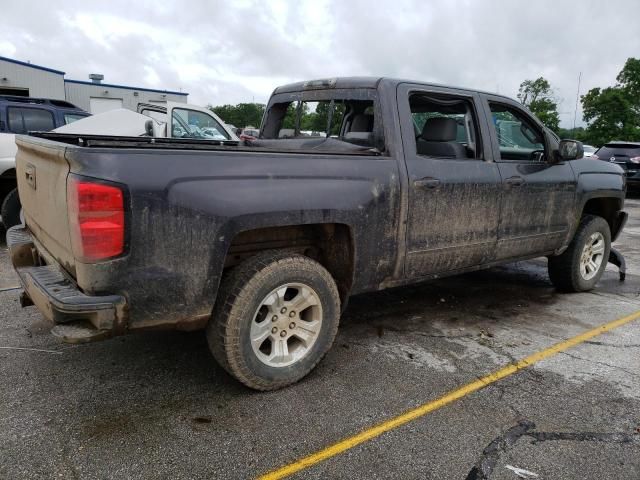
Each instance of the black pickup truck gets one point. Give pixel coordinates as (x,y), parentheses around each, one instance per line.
(262,242)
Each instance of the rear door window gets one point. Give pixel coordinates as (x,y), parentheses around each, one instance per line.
(444,125)
(23,120)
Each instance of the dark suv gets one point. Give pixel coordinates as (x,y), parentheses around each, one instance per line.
(625,154)
(21,115)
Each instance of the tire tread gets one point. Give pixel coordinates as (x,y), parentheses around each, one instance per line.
(223,333)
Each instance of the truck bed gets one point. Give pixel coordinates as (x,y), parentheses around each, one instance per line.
(188,203)
(329,146)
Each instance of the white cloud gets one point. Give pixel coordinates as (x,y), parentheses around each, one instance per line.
(228,52)
(7,49)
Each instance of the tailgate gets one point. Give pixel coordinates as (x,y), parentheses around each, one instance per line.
(41,170)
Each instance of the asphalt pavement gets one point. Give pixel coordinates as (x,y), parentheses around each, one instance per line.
(155,405)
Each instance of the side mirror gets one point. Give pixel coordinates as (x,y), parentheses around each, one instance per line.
(570,150)
(148,128)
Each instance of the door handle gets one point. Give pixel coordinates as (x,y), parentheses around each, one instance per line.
(426,182)
(514,181)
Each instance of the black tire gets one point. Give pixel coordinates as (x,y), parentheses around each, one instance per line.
(241,295)
(564,269)
(10,210)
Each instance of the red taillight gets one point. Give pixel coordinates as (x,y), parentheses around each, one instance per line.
(596,157)
(96,219)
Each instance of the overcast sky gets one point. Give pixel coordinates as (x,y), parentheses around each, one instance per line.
(238,51)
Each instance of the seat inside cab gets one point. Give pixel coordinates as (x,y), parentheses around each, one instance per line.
(444,127)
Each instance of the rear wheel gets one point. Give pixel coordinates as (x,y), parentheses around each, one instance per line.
(275,318)
(582,264)
(10,210)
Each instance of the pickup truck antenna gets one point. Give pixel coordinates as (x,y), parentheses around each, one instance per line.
(575,113)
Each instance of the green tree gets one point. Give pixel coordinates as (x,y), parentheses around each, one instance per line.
(240,115)
(578,133)
(610,115)
(629,80)
(613,113)
(537,96)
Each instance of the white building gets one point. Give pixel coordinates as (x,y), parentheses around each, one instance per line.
(28,80)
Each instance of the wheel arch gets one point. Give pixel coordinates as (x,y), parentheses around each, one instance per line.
(608,208)
(330,244)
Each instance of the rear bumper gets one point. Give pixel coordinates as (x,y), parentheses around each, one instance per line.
(80,317)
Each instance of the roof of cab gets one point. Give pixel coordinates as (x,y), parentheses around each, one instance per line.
(364,82)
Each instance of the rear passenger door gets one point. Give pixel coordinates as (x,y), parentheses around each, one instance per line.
(538,194)
(453,186)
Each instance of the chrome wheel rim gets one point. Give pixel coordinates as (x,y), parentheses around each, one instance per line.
(592,256)
(286,325)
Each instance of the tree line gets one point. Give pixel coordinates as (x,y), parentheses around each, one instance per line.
(611,113)
(250,114)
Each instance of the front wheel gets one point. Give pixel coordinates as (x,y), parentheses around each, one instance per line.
(275,318)
(581,265)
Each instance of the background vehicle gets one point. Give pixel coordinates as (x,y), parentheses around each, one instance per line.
(187,121)
(625,154)
(589,150)
(273,235)
(21,115)
(250,133)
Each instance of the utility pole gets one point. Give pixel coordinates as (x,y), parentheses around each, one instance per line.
(575,113)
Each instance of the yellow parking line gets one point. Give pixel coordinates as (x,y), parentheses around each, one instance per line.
(422,410)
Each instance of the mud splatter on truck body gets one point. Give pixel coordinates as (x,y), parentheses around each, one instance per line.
(374,205)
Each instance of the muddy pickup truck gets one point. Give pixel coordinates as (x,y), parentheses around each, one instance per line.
(262,242)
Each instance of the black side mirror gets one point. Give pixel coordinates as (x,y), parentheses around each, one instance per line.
(570,150)
(148,128)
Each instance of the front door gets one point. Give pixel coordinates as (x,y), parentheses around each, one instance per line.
(454,187)
(538,195)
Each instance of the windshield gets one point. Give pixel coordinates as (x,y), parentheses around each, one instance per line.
(186,123)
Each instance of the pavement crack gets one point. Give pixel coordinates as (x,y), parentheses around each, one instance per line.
(605,344)
(598,362)
(583,437)
(484,467)
(617,296)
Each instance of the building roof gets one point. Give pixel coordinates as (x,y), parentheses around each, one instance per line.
(128,87)
(31,65)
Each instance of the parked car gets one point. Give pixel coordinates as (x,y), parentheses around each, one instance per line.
(589,150)
(262,242)
(21,115)
(250,133)
(187,121)
(625,154)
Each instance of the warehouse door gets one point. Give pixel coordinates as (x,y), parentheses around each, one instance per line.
(101,105)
